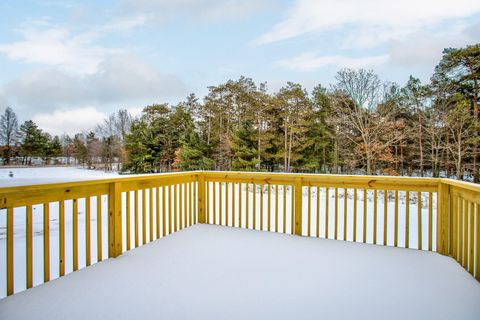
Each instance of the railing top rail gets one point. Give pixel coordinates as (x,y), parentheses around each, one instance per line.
(79,183)
(462,184)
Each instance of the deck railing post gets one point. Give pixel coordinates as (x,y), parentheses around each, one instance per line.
(201,198)
(298,206)
(114,220)
(443,214)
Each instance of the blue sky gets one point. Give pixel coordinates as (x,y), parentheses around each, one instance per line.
(68,64)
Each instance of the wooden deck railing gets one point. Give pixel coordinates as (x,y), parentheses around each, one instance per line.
(119,214)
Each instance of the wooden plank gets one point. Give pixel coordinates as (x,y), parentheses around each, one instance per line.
(136,211)
(276,208)
(220,204)
(477,245)
(150,211)
(157,220)
(430,218)
(46,242)
(345,213)
(115,220)
(471,231)
(255,207)
(170,209)
(309,211)
(233,206)
(355,214)
(99,228)
(29,247)
(176,207)
(128,219)
(284,208)
(385,217)
(164,211)
(269,207)
(365,201)
(375,214)
(201,200)
(327,212)
(88,246)
(240,192)
(75,234)
(61,243)
(10,252)
(298,206)
(455,206)
(144,216)
(465,233)
(395,228)
(419,221)
(407,219)
(318,213)
(185,206)
(335,230)
(261,207)
(214,205)
(247,205)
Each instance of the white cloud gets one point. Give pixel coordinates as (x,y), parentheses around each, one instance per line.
(70,121)
(369,22)
(199,10)
(311,61)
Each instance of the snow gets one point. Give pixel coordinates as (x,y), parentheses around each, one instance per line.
(213,272)
(27,176)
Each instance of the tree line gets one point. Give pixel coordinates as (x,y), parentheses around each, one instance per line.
(360,125)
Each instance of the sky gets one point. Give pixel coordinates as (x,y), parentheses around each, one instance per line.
(68,64)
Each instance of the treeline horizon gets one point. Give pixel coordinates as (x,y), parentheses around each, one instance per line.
(359,125)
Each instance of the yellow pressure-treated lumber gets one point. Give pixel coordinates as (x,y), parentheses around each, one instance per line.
(10,269)
(327,211)
(88,258)
(240,191)
(150,211)
(128,219)
(61,243)
(471,225)
(419,222)
(298,206)
(385,217)
(233,206)
(395,226)
(135,222)
(261,207)
(430,222)
(214,205)
(115,220)
(276,208)
(144,216)
(309,211)
(355,214)
(407,220)
(46,242)
(284,208)
(29,249)
(345,213)
(201,199)
(75,234)
(375,213)
(335,226)
(157,220)
(164,211)
(477,245)
(365,200)
(255,207)
(269,207)
(220,203)
(99,228)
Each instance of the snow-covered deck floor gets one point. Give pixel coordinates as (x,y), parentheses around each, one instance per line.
(211,272)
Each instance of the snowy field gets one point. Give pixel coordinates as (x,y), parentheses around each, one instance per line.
(212,272)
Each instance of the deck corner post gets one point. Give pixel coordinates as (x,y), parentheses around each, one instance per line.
(114,220)
(443,214)
(298,205)
(201,198)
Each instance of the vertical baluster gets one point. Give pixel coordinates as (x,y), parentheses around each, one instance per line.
(375,214)
(185,207)
(477,219)
(269,207)
(407,220)
(29,248)
(164,211)
(240,191)
(395,222)
(128,219)
(471,212)
(419,222)
(158,212)
(144,216)
(335,231)
(214,193)
(150,213)
(220,203)
(227,215)
(430,222)
(460,231)
(465,233)
(247,204)
(365,201)
(75,234)
(88,250)
(207,202)
(292,205)
(254,206)
(327,211)
(345,213)
(233,205)
(191,187)
(355,214)
(99,228)
(136,224)
(455,205)
(170,208)
(309,210)
(46,242)
(276,208)
(10,248)
(385,217)
(61,230)
(176,207)
(285,208)
(261,207)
